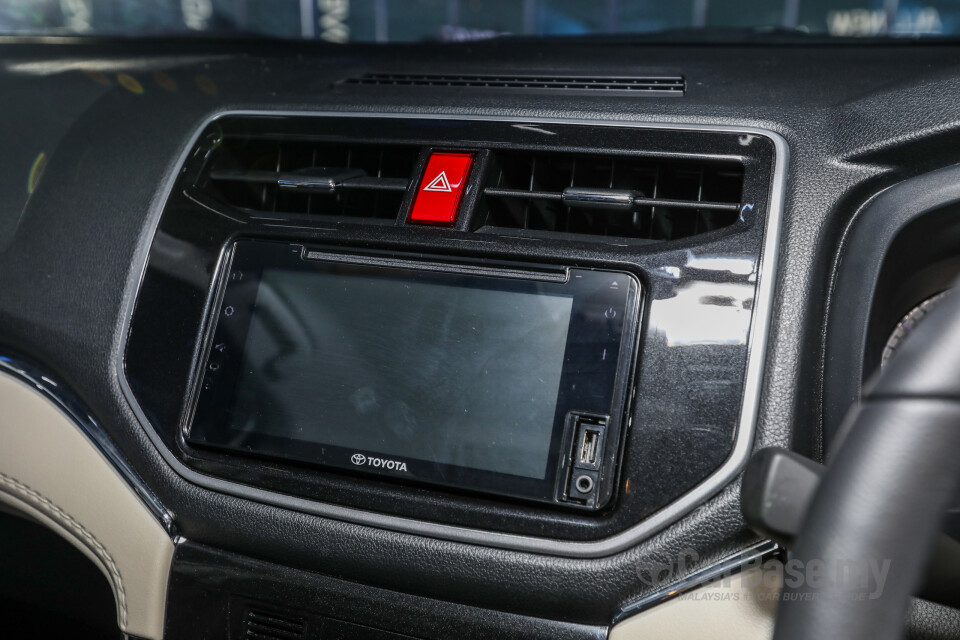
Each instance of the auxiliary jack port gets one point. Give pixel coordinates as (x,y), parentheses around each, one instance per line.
(584,484)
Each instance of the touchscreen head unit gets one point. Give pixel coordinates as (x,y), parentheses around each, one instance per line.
(491,378)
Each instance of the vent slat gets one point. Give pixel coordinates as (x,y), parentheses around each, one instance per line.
(522,193)
(279,622)
(687,204)
(674,85)
(274,178)
(281,177)
(613,196)
(255,631)
(260,625)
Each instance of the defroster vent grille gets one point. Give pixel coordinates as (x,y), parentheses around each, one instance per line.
(662,85)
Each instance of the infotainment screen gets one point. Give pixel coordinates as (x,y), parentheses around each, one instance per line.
(410,370)
(470,376)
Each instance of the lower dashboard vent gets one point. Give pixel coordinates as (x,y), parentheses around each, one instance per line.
(671,85)
(617,196)
(260,625)
(282,178)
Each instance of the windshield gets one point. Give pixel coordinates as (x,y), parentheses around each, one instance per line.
(456,20)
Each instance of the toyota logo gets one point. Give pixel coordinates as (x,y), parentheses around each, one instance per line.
(358,458)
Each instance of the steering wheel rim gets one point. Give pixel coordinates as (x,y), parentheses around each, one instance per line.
(873,523)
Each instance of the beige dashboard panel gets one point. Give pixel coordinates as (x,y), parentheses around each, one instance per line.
(739,607)
(51,471)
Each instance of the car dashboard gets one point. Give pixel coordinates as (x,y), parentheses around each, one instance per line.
(272,314)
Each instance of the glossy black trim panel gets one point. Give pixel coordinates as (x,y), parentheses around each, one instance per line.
(760,275)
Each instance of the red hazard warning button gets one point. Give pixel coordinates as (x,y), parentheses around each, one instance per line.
(439,193)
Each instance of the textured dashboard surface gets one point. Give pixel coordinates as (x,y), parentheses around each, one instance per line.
(858,119)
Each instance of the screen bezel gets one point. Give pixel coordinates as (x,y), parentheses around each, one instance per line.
(207,422)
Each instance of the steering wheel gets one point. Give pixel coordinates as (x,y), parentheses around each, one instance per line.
(873,523)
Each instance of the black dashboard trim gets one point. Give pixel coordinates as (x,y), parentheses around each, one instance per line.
(856,276)
(212,590)
(723,475)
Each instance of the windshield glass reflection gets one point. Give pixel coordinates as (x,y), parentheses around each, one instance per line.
(344,21)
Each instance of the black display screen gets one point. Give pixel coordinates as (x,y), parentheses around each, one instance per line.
(456,375)
(461,377)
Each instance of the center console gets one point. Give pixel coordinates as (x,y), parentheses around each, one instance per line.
(541,335)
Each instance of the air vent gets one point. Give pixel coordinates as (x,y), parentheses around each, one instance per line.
(280,178)
(260,625)
(615,196)
(672,85)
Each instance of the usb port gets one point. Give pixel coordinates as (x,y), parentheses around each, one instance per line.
(589,444)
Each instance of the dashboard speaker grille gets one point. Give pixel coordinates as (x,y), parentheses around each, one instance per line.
(280,178)
(606,195)
(673,85)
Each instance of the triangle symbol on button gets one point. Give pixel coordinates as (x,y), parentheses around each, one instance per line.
(440,183)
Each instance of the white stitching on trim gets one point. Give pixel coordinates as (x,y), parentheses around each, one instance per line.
(63,518)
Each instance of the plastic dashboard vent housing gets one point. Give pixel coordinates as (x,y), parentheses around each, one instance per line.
(669,85)
(260,625)
(290,178)
(615,196)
